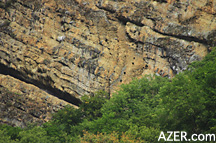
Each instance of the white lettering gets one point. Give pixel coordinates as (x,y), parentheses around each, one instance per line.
(176,136)
(192,137)
(210,137)
(162,136)
(170,134)
(201,139)
(183,136)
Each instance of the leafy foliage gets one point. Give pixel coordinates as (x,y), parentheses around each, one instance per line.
(189,100)
(12,132)
(91,105)
(5,138)
(131,108)
(183,104)
(34,135)
(108,138)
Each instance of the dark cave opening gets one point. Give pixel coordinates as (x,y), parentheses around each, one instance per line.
(47,88)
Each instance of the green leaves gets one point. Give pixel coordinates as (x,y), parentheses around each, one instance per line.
(34,135)
(135,104)
(12,132)
(91,105)
(188,101)
(182,101)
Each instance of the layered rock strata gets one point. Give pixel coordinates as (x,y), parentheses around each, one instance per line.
(23,103)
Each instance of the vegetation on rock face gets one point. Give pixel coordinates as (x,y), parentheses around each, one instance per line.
(135,113)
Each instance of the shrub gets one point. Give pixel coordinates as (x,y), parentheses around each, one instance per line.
(12,132)
(91,105)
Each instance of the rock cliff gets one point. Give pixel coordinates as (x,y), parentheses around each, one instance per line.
(68,48)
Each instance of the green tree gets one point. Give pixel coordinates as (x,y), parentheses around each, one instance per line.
(188,102)
(182,101)
(132,107)
(12,132)
(4,138)
(91,105)
(34,135)
(204,73)
(65,120)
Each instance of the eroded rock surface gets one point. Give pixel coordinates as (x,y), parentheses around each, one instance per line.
(22,103)
(78,47)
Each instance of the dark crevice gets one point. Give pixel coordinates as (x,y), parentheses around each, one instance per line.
(106,9)
(122,19)
(47,88)
(182,37)
(132,40)
(161,1)
(23,4)
(125,20)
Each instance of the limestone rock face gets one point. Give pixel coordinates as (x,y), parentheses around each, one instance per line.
(22,103)
(76,47)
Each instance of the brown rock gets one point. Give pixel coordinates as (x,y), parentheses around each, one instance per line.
(23,103)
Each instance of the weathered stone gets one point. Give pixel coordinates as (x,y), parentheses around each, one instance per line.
(23,103)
